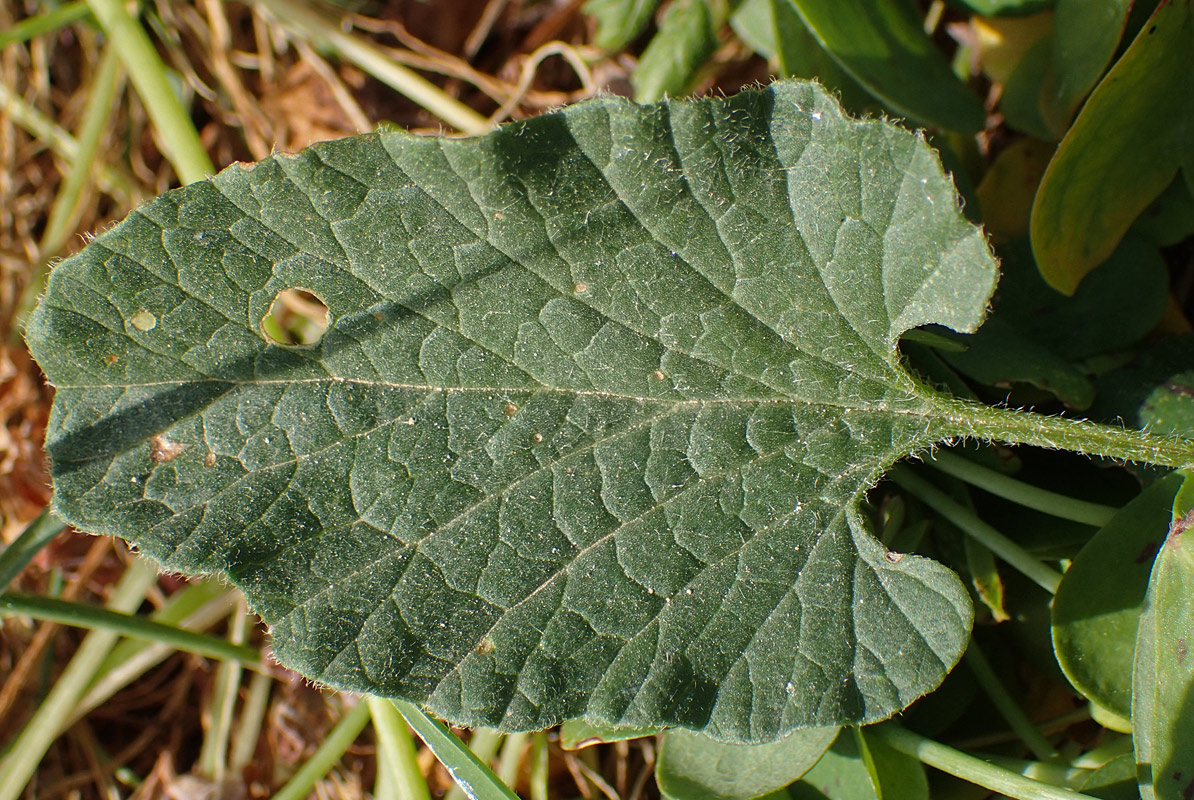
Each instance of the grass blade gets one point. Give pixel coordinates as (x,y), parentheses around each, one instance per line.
(476,779)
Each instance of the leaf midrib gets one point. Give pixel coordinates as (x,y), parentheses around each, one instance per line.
(792,400)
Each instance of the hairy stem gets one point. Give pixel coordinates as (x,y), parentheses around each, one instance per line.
(1010,426)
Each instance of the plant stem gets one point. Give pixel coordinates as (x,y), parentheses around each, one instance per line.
(333,748)
(213,755)
(176,133)
(372,59)
(539,767)
(252,715)
(197,607)
(83,616)
(1010,426)
(47,22)
(39,733)
(401,758)
(1044,576)
(91,131)
(1025,494)
(37,535)
(1007,707)
(969,768)
(511,759)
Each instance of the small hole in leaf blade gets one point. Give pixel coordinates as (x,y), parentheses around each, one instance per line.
(297,317)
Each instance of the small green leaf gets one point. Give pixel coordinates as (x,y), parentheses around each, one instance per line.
(576,733)
(1021,99)
(882,43)
(688,35)
(1170,218)
(694,767)
(1119,303)
(1122,151)
(1156,391)
(1037,335)
(999,356)
(1163,678)
(894,775)
(1115,780)
(984,576)
(841,774)
(619,22)
(774,30)
(1097,606)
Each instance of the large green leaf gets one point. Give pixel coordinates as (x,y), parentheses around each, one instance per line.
(587,433)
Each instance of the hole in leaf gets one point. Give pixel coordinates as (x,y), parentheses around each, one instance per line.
(297,317)
(143,321)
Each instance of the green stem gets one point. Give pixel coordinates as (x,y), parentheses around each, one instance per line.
(197,607)
(1008,708)
(969,768)
(213,755)
(96,119)
(40,732)
(297,16)
(48,22)
(37,535)
(333,748)
(1025,494)
(540,772)
(252,716)
(511,758)
(176,133)
(83,616)
(1044,576)
(1010,426)
(401,758)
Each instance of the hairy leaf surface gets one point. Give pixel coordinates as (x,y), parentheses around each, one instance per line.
(587,432)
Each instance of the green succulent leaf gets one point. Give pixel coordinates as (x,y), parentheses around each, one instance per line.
(1163,673)
(1097,607)
(587,432)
